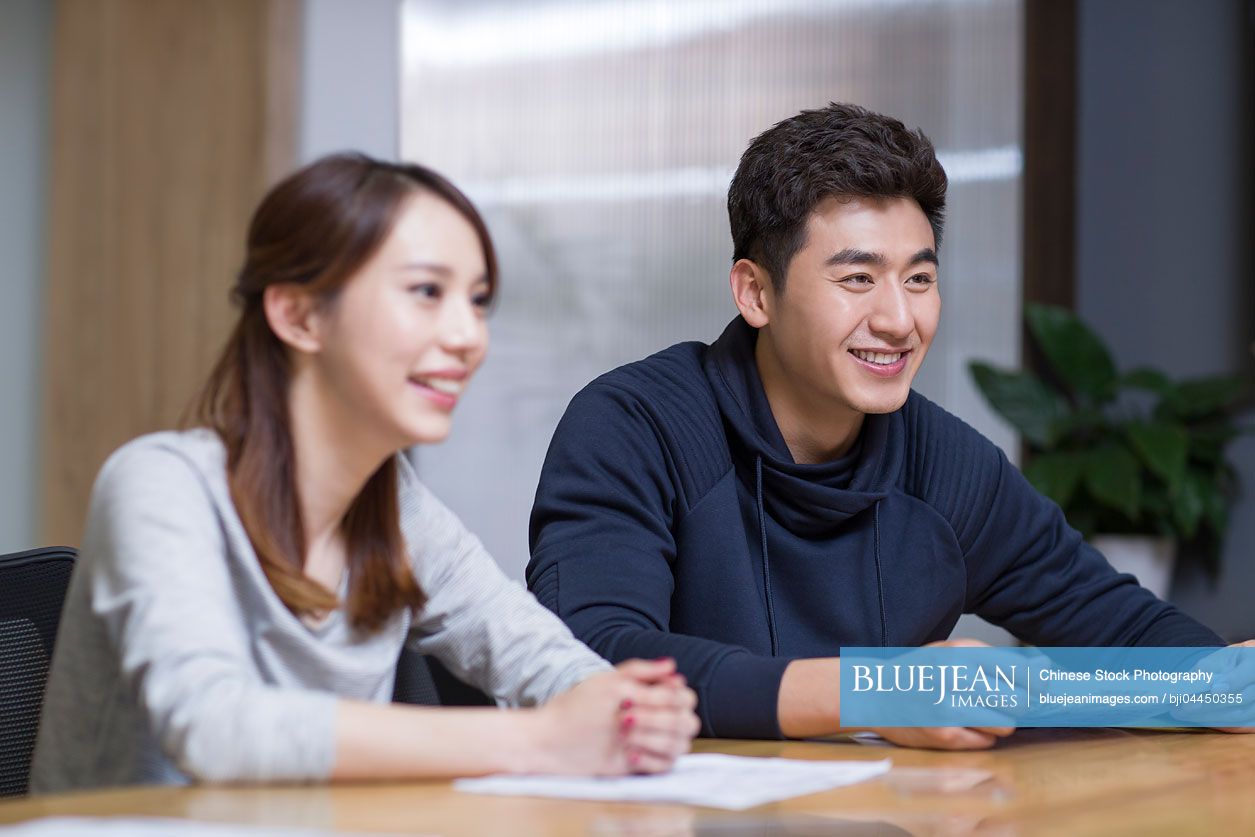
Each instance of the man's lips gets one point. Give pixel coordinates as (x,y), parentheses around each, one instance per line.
(881,363)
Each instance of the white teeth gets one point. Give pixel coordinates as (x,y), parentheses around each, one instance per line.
(878,357)
(442,385)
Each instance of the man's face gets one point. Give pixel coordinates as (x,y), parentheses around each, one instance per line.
(858,310)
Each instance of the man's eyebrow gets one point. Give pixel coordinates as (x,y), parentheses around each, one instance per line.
(429,267)
(851,255)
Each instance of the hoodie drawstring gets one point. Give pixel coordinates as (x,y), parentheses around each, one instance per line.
(762,528)
(880,587)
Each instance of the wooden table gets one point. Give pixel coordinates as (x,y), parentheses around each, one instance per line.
(1040,781)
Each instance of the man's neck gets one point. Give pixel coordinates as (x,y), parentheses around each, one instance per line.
(814,431)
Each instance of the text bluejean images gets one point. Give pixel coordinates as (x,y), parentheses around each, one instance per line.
(1048,687)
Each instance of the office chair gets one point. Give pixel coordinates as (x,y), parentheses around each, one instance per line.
(32,588)
(425,681)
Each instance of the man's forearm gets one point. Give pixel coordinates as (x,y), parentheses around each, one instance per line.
(810,698)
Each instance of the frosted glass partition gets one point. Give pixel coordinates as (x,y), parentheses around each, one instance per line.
(599,139)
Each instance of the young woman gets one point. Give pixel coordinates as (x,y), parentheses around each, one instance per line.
(245,587)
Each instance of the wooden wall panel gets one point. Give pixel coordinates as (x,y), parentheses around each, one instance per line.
(170,119)
(1050,104)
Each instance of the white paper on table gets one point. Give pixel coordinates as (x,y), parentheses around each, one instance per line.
(711,779)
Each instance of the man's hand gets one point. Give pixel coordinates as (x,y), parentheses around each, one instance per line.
(810,706)
(946,738)
(1240,679)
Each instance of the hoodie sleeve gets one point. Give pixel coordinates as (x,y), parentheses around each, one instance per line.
(1028,570)
(602,554)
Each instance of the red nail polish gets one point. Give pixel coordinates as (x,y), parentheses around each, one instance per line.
(627,723)
(626,704)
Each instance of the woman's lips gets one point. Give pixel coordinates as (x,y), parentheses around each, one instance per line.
(444,400)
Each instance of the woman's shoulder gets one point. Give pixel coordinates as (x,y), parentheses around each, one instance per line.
(200,443)
(415,500)
(427,524)
(165,461)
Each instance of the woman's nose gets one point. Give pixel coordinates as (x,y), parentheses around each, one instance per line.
(461,327)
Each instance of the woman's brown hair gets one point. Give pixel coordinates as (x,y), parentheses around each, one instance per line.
(315,229)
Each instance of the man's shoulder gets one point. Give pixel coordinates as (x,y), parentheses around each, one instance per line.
(677,367)
(927,423)
(943,452)
(660,409)
(667,386)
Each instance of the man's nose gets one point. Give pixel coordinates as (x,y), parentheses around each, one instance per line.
(891,314)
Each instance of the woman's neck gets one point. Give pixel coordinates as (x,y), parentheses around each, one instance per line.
(334,458)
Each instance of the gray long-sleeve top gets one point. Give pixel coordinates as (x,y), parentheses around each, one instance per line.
(175,660)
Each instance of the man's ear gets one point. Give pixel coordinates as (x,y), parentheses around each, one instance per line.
(293,315)
(752,292)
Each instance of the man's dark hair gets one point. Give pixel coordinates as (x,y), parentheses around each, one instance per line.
(838,151)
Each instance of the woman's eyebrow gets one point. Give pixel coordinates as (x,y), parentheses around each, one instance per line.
(429,267)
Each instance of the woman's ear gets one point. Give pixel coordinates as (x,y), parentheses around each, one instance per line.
(293,315)
(751,291)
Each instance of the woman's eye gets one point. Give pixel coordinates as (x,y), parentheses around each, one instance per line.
(482,301)
(425,290)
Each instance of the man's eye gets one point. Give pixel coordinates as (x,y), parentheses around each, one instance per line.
(858,279)
(922,279)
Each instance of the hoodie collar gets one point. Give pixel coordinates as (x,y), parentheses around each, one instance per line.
(806,499)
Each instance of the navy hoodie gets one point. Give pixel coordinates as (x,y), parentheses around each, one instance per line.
(671,520)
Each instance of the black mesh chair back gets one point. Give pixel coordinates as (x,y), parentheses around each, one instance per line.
(425,681)
(32,588)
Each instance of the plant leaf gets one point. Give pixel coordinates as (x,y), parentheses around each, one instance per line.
(1056,475)
(1208,441)
(1151,380)
(1190,503)
(1112,477)
(1075,352)
(1201,396)
(1163,447)
(1216,510)
(1031,407)
(1083,520)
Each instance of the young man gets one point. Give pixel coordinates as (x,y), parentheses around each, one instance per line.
(751,506)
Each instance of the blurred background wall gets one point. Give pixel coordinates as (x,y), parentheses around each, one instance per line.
(25,65)
(1164,220)
(167,122)
(1154,261)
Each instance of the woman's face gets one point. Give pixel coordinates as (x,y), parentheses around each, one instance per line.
(406,332)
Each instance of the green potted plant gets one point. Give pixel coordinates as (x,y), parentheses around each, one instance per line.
(1137,461)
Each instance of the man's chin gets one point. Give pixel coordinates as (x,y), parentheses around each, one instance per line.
(882,406)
